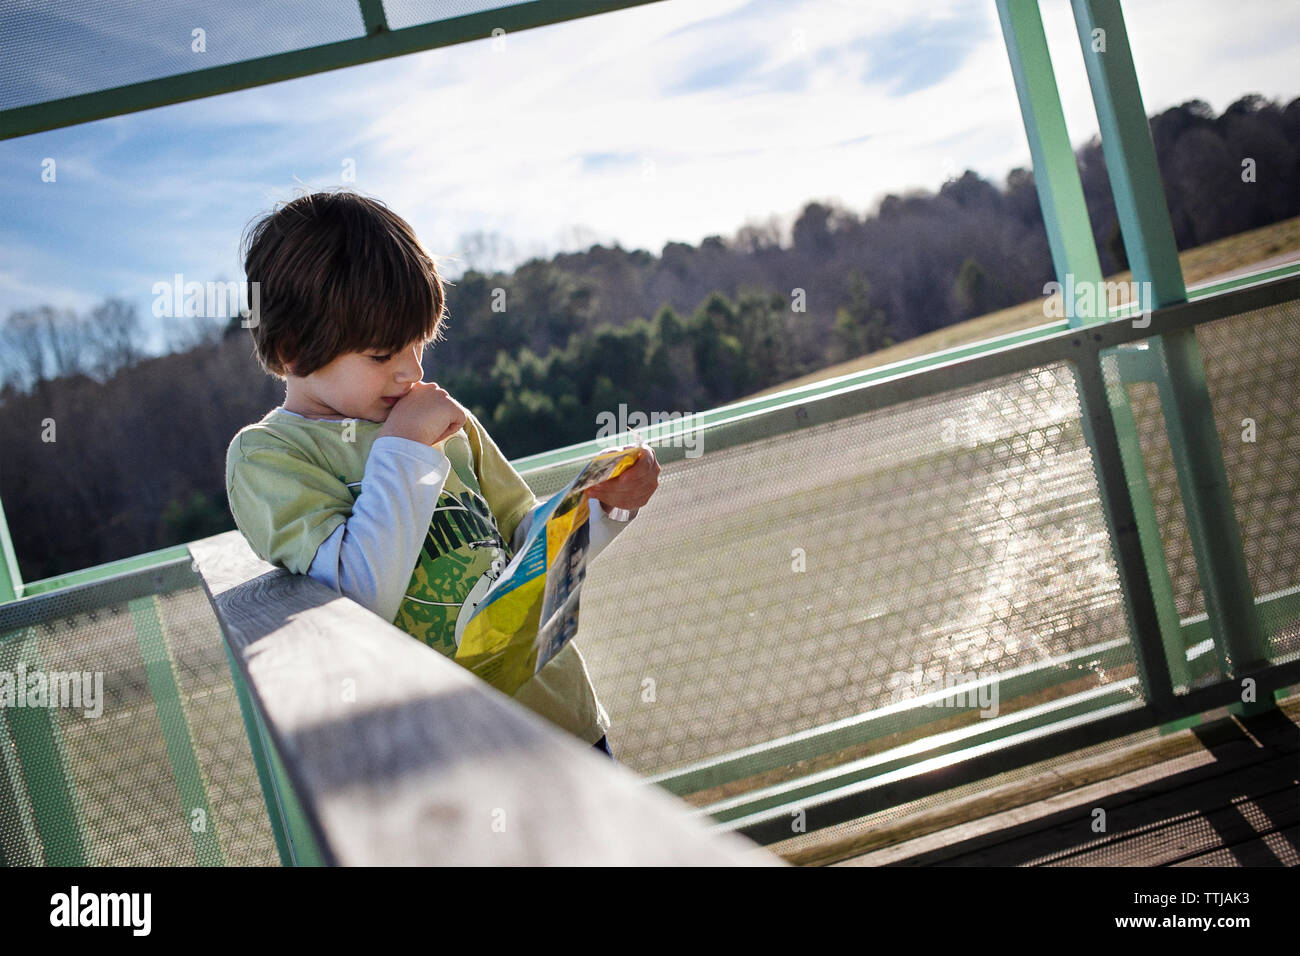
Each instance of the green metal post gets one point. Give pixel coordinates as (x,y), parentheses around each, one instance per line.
(253,728)
(294,837)
(373,19)
(1144,512)
(1074,256)
(43,763)
(303,848)
(1189,416)
(11,582)
(1056,174)
(20,841)
(160,672)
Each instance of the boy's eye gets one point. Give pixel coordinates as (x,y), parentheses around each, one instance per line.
(381,358)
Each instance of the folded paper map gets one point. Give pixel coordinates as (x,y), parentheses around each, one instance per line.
(531,611)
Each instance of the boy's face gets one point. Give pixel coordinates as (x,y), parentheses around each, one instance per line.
(356,384)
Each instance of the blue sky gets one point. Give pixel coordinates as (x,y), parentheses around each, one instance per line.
(671,121)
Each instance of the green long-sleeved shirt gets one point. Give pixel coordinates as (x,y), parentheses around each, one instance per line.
(292,481)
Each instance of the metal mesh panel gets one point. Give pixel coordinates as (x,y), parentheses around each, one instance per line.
(220,738)
(409,13)
(1158,457)
(954,535)
(1252,365)
(163,775)
(50,50)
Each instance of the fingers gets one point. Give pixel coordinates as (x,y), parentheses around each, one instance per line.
(633,487)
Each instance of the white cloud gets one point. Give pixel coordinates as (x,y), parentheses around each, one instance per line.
(464,139)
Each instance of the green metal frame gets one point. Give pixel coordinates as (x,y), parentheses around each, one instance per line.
(1035,737)
(378,43)
(100,572)
(1074,255)
(1176,358)
(33,733)
(556,465)
(905,716)
(914,715)
(1148,525)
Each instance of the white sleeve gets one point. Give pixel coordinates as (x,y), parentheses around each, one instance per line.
(370,557)
(602,527)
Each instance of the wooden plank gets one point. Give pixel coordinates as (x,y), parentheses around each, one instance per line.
(400,756)
(982,821)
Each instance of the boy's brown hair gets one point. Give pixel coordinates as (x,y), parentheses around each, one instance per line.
(338,272)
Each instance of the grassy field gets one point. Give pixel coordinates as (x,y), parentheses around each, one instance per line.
(1239,253)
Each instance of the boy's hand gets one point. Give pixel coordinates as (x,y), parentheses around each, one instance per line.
(633,487)
(426,414)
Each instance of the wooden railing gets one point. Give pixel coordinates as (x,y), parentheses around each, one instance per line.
(384,752)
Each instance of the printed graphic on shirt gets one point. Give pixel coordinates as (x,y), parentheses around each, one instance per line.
(463,553)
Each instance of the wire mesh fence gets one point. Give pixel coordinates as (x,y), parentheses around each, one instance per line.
(795,581)
(1252,363)
(150,765)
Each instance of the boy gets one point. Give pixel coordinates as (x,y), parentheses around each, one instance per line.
(379,485)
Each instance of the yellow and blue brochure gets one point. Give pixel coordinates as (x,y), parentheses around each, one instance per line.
(531,611)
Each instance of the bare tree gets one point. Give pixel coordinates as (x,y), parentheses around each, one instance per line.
(485,252)
(576,237)
(26,347)
(182,333)
(113,334)
(64,337)
(758,237)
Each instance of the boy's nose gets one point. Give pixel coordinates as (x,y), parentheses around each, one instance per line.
(411,369)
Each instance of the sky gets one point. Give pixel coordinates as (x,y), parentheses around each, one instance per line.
(666,122)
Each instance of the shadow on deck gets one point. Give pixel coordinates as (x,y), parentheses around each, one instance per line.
(1224,793)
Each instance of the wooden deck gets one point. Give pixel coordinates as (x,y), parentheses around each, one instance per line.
(1223,793)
